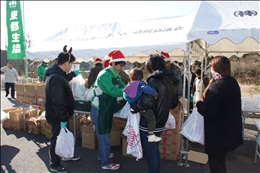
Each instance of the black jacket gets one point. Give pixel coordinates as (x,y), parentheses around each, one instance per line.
(59,104)
(166,85)
(222,116)
(93,74)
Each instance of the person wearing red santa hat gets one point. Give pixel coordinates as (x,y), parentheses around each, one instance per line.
(94,72)
(177,72)
(107,88)
(106,62)
(123,74)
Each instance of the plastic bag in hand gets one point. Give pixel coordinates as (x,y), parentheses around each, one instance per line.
(65,144)
(125,111)
(193,127)
(171,123)
(89,94)
(78,88)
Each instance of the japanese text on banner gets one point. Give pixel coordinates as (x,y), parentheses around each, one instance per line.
(16,47)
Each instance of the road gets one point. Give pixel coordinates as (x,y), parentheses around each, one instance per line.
(28,153)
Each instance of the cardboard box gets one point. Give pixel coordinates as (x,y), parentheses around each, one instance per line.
(115,136)
(16,115)
(78,133)
(171,135)
(48,131)
(174,146)
(120,122)
(12,109)
(42,124)
(43,131)
(89,139)
(40,92)
(197,157)
(169,155)
(41,111)
(77,124)
(17,125)
(30,94)
(6,124)
(20,93)
(32,112)
(34,127)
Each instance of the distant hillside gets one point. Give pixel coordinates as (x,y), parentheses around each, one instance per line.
(245,69)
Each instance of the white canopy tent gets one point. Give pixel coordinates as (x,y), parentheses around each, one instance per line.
(134,39)
(227,27)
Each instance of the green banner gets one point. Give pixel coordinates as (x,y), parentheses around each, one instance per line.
(15,47)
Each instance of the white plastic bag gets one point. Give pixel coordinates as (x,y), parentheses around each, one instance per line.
(4,116)
(171,123)
(125,111)
(78,88)
(193,127)
(65,144)
(89,94)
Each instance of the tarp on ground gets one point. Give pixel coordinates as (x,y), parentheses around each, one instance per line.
(131,37)
(230,27)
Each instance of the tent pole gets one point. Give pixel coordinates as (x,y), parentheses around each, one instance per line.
(25,59)
(200,54)
(184,151)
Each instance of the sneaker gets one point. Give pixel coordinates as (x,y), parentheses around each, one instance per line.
(153,138)
(111,155)
(6,95)
(75,158)
(111,166)
(59,169)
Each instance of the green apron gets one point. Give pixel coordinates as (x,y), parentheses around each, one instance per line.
(107,105)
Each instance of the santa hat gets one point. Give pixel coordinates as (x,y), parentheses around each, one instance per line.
(106,63)
(98,60)
(165,56)
(116,56)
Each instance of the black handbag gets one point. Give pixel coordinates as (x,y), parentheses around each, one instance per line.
(119,105)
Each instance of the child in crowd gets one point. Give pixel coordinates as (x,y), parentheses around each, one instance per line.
(132,93)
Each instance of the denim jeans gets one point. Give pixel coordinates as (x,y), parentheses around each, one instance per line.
(104,146)
(7,87)
(151,152)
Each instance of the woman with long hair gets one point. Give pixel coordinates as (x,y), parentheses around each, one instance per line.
(221,109)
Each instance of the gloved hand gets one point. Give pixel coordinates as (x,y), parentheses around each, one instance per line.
(63,124)
(77,72)
(191,97)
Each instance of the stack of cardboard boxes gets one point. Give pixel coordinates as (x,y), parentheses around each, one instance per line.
(170,143)
(16,119)
(89,139)
(32,93)
(78,128)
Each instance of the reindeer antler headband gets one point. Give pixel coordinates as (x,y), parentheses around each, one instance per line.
(65,51)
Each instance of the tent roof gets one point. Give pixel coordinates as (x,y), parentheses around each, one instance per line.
(145,36)
(233,20)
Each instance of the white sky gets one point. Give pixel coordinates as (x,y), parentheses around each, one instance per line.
(43,19)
